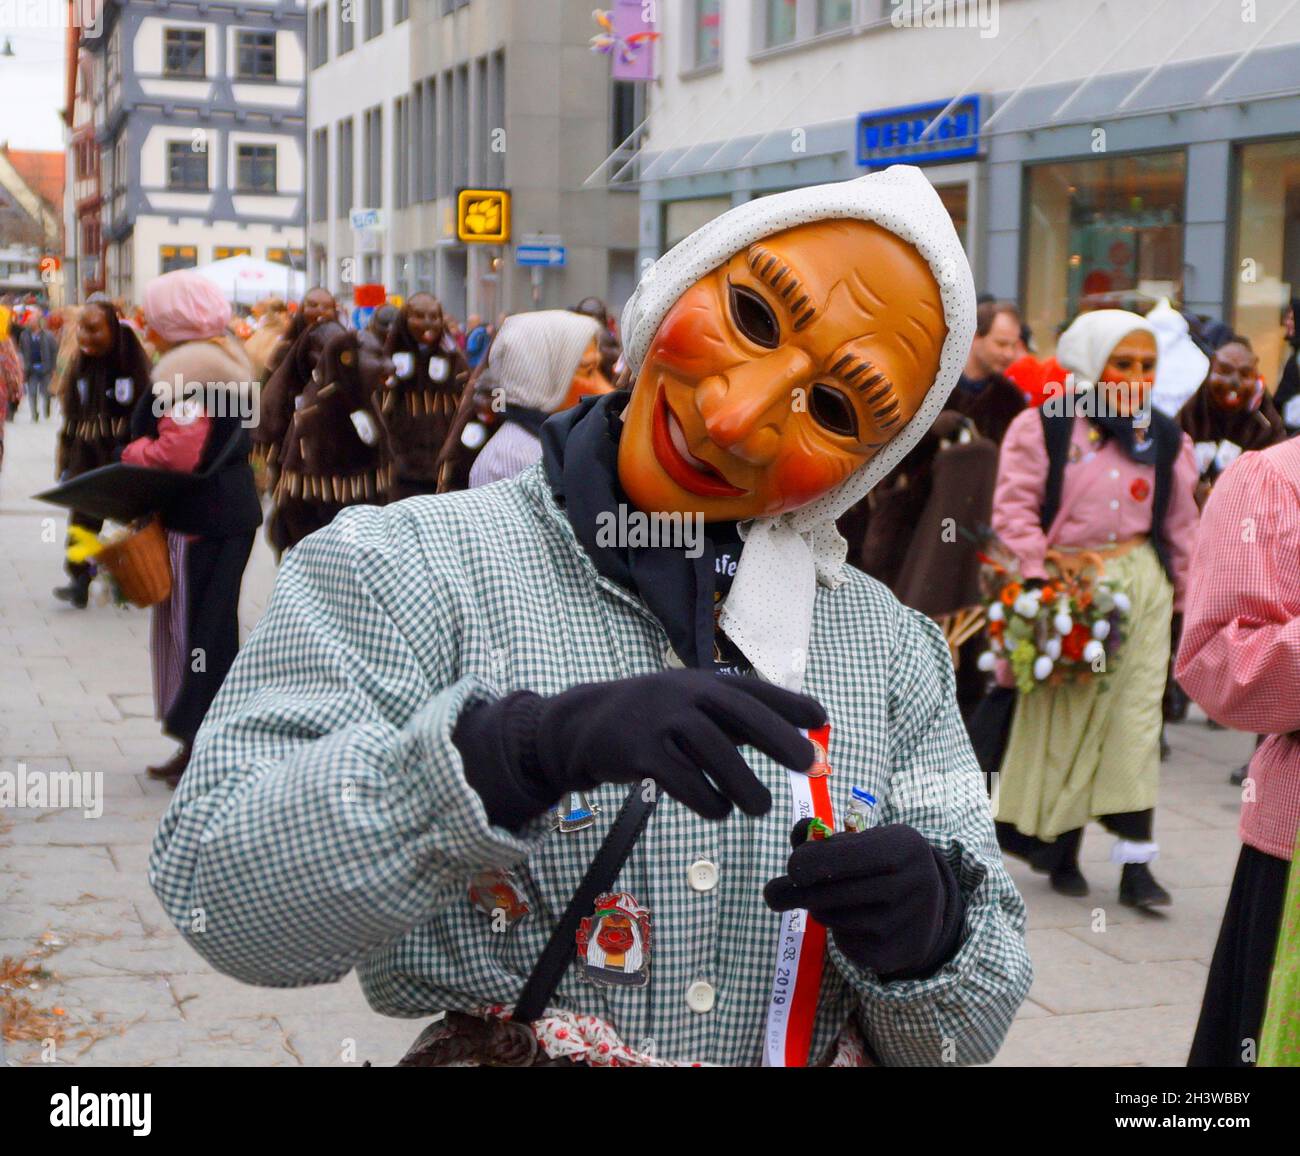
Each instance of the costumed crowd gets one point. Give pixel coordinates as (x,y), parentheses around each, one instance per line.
(923,551)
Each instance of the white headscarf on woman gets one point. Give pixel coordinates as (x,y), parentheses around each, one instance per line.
(1086,346)
(768,612)
(535,355)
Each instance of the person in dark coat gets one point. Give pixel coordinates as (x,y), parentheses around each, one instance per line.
(210,529)
(421,399)
(39,351)
(1287,396)
(335,453)
(984,393)
(106,380)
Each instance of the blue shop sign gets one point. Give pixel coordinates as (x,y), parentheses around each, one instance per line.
(895,134)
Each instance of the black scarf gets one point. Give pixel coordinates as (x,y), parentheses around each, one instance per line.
(1159,448)
(530,419)
(580,457)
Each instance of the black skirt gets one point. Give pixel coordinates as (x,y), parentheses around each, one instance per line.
(1232,1013)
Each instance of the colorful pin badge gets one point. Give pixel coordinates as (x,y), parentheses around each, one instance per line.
(614,942)
(496,891)
(574,813)
(1139,488)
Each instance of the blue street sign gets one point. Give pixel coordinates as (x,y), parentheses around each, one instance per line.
(548,255)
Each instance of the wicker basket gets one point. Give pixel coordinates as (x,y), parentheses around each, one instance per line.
(140,564)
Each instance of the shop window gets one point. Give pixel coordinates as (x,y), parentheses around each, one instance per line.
(1266,273)
(187,170)
(1102,234)
(222,252)
(254,55)
(173,257)
(294,258)
(682,218)
(255,169)
(184,50)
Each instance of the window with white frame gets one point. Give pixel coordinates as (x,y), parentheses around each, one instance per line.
(780,22)
(184,53)
(254,55)
(374,18)
(255,168)
(834,14)
(705,33)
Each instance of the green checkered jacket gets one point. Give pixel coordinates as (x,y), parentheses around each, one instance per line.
(325,824)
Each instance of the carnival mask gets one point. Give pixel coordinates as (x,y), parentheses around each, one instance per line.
(424,320)
(1129,373)
(588,380)
(778,374)
(1234,383)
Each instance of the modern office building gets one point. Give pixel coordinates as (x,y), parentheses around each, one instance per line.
(1113,152)
(412,101)
(186,123)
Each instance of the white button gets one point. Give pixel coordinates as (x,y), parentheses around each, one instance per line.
(700,996)
(1114,503)
(1114,473)
(702,875)
(1110,537)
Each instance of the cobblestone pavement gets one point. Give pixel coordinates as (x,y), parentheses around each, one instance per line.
(1113,986)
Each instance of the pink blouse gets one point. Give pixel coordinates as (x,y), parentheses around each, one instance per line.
(178,446)
(1105,498)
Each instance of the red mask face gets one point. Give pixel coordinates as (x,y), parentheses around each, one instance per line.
(587,379)
(780,373)
(1130,372)
(1234,378)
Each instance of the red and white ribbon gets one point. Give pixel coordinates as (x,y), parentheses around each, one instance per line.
(801,947)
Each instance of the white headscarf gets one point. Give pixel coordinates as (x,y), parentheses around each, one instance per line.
(1086,346)
(535,355)
(768,612)
(1181,365)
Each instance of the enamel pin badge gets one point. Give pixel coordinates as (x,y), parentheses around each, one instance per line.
(574,813)
(495,891)
(614,942)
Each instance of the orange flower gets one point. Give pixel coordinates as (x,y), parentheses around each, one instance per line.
(1010,592)
(1048,594)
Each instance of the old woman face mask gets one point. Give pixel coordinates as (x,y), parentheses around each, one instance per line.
(781,372)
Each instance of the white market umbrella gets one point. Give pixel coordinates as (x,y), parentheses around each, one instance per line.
(246,280)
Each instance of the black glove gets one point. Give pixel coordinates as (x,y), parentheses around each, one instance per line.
(678,727)
(889,898)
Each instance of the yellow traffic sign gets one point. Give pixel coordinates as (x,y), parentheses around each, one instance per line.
(483,215)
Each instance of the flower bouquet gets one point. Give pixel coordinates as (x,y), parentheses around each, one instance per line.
(1065,629)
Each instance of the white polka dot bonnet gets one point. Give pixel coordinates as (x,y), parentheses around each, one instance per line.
(768,612)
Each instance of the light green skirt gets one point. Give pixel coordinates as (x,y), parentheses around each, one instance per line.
(1279,1043)
(1093,748)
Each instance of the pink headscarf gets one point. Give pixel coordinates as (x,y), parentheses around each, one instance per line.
(184,306)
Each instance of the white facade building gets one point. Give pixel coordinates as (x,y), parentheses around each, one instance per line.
(200,131)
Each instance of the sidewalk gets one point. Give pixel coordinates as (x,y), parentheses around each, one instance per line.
(1113,986)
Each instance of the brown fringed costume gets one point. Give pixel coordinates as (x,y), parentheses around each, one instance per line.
(282,393)
(419,406)
(335,454)
(99,394)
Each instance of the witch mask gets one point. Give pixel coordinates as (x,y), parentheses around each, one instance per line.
(778,374)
